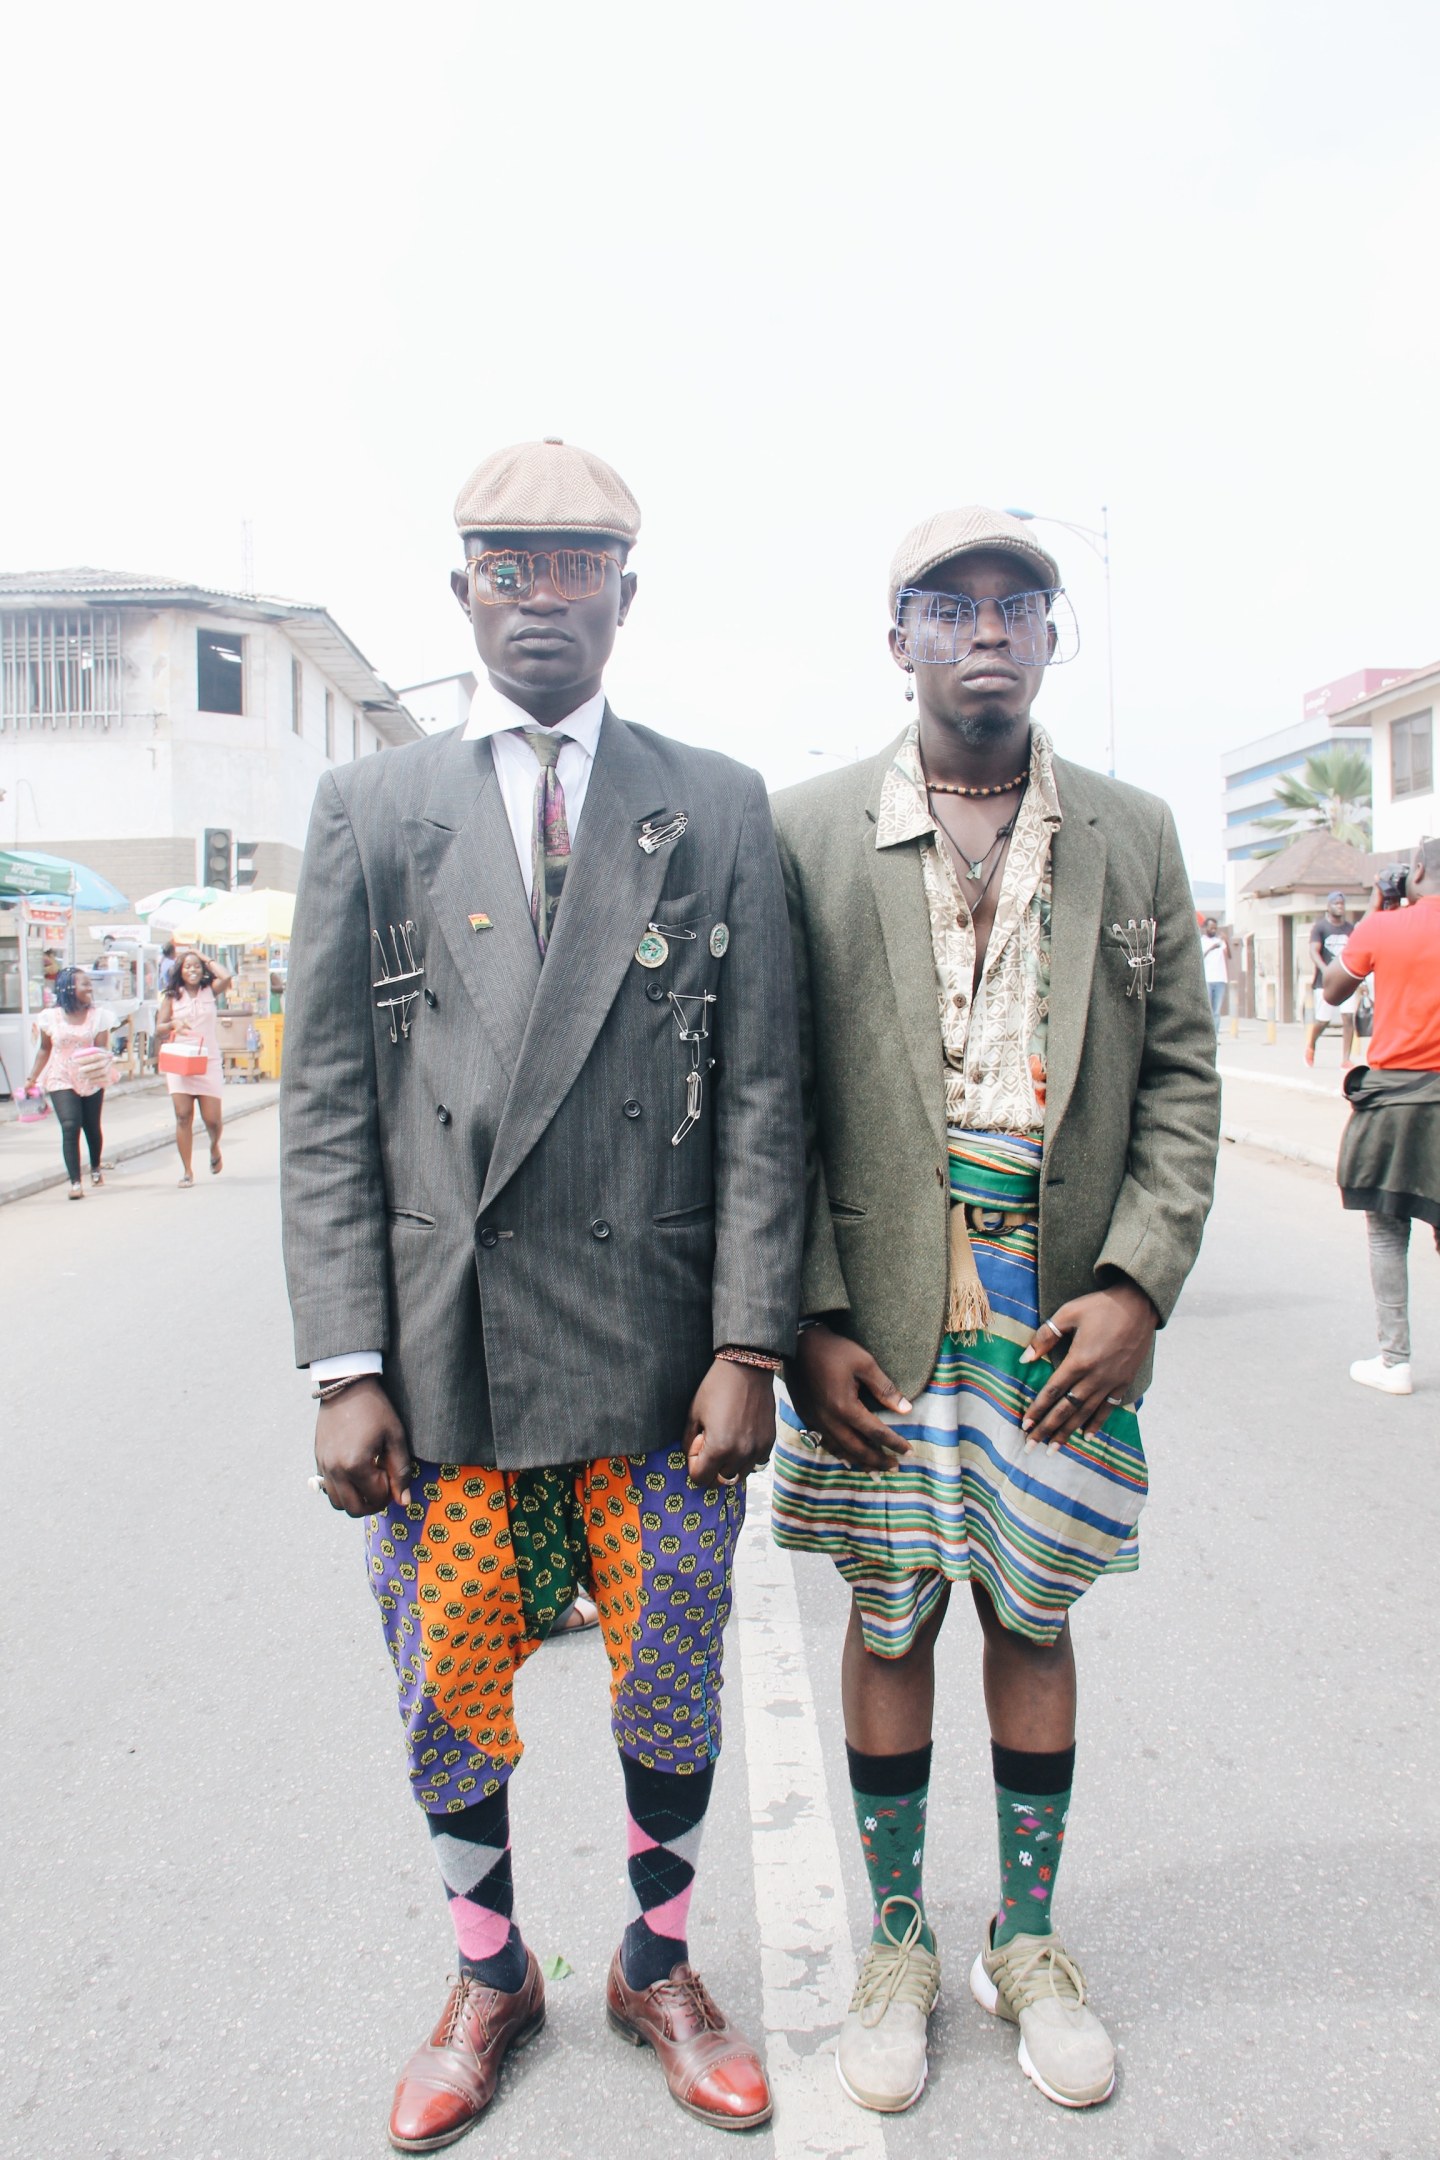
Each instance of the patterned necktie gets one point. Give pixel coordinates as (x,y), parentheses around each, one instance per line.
(549,833)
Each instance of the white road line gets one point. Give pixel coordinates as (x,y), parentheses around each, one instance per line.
(807,1963)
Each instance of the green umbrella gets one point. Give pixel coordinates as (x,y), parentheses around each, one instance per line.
(20,874)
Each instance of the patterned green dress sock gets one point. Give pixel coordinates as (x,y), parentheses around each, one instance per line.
(890,1794)
(1032,1802)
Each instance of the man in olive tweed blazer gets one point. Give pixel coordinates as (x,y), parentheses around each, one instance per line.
(1012,1114)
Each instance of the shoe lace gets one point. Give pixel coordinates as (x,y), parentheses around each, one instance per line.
(1032,1968)
(467,1994)
(689,1999)
(897,1969)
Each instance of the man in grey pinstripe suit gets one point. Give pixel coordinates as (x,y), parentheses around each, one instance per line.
(542,1173)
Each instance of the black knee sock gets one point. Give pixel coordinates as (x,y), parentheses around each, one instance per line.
(473,1849)
(667,1815)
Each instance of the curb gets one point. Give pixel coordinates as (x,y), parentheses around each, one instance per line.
(1290,1149)
(126,1152)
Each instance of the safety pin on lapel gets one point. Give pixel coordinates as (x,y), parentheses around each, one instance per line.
(407,970)
(1138,939)
(660,829)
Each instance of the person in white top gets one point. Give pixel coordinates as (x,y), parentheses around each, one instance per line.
(72,1064)
(1215,947)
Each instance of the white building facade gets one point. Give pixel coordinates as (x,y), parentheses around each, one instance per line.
(441,704)
(1401,718)
(138,712)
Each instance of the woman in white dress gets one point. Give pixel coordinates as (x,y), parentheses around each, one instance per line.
(188,1013)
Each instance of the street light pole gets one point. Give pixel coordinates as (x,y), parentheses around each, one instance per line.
(1098,543)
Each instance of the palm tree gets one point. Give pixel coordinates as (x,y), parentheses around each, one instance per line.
(1331,795)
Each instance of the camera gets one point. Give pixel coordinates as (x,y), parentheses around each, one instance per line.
(1392,883)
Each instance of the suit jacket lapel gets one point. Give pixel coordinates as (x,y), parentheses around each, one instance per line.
(899,882)
(1077,885)
(612,888)
(464,850)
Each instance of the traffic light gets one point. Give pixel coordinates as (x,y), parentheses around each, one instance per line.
(217,858)
(245,853)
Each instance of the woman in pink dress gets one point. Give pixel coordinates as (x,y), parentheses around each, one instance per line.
(187,1013)
(72,1064)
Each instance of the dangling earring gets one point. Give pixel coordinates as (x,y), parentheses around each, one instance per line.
(910,687)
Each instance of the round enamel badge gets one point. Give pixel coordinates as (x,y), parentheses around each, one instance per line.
(719,941)
(653,950)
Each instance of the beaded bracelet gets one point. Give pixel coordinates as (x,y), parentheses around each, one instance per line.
(761,1359)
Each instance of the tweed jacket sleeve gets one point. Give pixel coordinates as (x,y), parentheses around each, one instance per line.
(1159,1215)
(757,1106)
(822,1281)
(331,1184)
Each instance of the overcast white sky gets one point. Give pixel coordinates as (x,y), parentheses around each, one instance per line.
(803,273)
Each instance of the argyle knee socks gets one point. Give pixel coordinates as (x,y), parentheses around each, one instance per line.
(891,1793)
(666,1821)
(473,1849)
(1032,1801)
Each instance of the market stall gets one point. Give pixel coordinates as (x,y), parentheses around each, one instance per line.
(251,931)
(38,898)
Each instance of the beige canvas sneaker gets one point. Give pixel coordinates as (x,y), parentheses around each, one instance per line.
(881,2055)
(1064,2048)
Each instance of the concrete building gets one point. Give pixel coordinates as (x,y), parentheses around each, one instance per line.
(136,712)
(1400,715)
(1250,771)
(440,704)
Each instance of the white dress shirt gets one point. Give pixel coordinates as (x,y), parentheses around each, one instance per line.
(517,768)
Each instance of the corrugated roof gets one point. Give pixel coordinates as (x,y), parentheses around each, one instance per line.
(310,626)
(1346,713)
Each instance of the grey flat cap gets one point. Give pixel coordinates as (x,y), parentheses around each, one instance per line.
(961,532)
(546,487)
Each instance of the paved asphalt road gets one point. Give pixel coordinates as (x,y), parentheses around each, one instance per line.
(222,1930)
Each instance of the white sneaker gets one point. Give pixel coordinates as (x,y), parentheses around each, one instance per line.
(1064,2049)
(1388,1379)
(881,2057)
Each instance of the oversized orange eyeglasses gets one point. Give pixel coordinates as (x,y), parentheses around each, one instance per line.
(508,574)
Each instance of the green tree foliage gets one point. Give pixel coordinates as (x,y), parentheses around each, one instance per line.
(1331,795)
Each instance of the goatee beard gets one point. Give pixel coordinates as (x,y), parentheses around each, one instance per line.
(982,730)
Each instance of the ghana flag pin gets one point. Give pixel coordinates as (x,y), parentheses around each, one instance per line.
(481,922)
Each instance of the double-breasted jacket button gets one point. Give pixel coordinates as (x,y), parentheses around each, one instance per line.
(443,1114)
(489,1237)
(600,1228)
(430,998)
(656,992)
(630,1107)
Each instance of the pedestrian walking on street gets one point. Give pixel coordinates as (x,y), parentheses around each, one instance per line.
(1215,952)
(1389,1166)
(542,1188)
(1008,1071)
(72,1064)
(188,1013)
(1327,941)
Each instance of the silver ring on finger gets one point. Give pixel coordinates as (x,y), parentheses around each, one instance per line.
(721,1479)
(1116,1402)
(1055,1331)
(317,1484)
(1070,1396)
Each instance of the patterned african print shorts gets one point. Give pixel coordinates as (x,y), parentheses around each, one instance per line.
(969,1504)
(472,1575)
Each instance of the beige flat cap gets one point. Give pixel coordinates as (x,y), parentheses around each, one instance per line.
(549,486)
(961,532)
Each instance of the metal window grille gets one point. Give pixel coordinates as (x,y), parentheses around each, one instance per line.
(1412,755)
(60,669)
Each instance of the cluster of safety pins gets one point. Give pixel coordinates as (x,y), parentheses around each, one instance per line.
(407,970)
(1138,939)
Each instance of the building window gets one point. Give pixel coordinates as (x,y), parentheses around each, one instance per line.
(60,670)
(1412,755)
(297,697)
(330,724)
(220,672)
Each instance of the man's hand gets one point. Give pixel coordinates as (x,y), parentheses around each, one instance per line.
(827,1376)
(361,1451)
(731,1427)
(1110,1334)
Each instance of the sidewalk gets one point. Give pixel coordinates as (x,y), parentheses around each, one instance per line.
(1273,1100)
(137,1119)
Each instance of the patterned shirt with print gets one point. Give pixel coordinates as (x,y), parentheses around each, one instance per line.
(994,1043)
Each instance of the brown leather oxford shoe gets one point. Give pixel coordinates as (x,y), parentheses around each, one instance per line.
(711,2070)
(451,2079)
